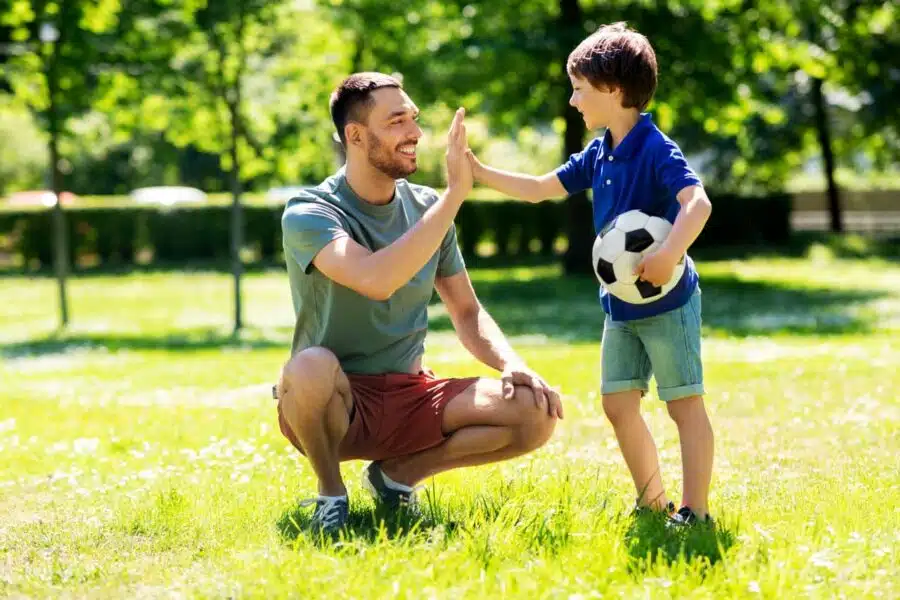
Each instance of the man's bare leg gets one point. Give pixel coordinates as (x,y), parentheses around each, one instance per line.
(316,404)
(484,428)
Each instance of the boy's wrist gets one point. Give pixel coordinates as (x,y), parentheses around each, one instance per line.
(669,253)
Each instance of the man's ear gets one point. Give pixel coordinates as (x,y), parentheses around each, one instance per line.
(354,134)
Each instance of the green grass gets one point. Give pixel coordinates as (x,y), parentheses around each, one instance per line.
(140,455)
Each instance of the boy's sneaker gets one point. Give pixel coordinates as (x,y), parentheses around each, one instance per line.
(388,495)
(685,517)
(330,515)
(639,510)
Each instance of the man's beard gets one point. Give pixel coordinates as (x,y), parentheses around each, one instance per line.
(385,161)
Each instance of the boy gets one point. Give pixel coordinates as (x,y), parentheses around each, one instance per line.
(635,166)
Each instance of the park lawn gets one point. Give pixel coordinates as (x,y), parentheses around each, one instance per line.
(140,456)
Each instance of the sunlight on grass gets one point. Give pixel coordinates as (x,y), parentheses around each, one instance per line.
(140,454)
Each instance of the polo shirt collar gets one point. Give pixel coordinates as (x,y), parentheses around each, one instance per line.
(632,142)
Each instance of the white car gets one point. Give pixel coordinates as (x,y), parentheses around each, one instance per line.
(168,195)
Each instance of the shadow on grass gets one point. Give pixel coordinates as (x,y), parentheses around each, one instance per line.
(649,542)
(366,524)
(568,307)
(187,341)
(803,244)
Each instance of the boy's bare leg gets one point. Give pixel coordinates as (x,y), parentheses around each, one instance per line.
(623,409)
(697,448)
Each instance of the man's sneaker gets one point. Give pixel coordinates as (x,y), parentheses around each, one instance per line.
(330,515)
(685,517)
(386,495)
(639,510)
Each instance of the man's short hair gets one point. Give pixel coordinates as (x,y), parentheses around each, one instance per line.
(616,56)
(352,100)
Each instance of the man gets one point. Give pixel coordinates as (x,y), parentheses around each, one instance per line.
(364,251)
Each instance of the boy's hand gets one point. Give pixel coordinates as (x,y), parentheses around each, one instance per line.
(657,267)
(477,166)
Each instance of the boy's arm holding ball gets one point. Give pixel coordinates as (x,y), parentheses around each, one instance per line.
(517,185)
(657,268)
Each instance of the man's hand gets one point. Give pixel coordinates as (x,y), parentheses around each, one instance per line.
(545,397)
(657,267)
(459,171)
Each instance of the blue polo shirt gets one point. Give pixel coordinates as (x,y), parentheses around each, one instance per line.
(645,172)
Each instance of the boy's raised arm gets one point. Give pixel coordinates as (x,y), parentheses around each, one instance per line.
(517,185)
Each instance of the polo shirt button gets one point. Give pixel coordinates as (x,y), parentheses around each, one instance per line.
(610,158)
(608,181)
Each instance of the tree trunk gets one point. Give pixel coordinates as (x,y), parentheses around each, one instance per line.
(237,216)
(60,232)
(579,214)
(823,130)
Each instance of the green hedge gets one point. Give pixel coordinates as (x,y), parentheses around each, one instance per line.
(115,236)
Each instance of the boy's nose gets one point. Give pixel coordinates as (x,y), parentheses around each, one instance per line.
(572,100)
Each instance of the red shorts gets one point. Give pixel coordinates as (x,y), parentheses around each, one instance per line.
(394,414)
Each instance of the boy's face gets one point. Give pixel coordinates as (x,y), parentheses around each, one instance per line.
(596,105)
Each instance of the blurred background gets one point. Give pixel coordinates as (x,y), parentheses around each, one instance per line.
(173,131)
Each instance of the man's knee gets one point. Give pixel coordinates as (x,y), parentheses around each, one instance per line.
(309,375)
(536,427)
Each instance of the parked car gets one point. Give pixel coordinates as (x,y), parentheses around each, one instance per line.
(40,197)
(168,195)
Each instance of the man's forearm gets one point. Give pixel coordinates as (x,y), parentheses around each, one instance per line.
(393,266)
(482,337)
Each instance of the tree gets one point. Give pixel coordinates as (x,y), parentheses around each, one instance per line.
(819,82)
(507,60)
(239,89)
(62,57)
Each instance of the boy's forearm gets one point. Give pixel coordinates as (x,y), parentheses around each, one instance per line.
(517,185)
(695,211)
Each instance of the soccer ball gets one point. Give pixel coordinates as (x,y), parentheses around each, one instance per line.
(618,250)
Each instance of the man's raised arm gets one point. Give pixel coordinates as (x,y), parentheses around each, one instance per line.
(377,275)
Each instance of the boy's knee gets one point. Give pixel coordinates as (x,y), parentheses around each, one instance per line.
(621,407)
(687,410)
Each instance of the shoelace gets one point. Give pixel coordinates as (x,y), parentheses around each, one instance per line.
(411,498)
(329,511)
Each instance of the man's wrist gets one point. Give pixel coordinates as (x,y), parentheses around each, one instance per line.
(454,194)
(513,362)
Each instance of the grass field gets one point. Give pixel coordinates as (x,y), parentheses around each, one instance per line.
(140,456)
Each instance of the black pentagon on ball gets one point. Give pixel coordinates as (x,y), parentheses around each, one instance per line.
(605,271)
(638,240)
(647,289)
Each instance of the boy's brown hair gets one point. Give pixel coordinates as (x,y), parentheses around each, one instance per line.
(617,57)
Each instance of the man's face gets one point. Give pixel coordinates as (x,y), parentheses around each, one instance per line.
(392,133)
(595,105)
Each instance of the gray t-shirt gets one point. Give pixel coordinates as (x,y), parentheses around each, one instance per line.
(367,336)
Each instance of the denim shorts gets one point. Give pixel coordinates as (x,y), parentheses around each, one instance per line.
(666,346)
